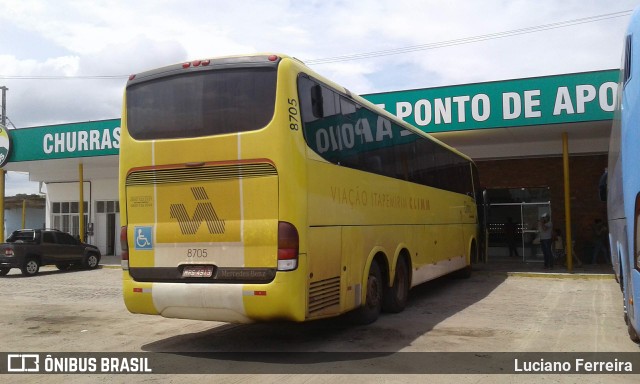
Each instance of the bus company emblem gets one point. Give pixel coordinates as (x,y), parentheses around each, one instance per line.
(189,225)
(5,145)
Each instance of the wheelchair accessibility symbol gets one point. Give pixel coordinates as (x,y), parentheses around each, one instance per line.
(143,238)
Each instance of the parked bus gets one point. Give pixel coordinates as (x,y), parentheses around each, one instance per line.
(253,189)
(623,180)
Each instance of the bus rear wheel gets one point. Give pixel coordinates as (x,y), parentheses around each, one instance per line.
(369,312)
(633,334)
(395,297)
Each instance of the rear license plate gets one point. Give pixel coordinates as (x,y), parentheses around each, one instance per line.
(197,271)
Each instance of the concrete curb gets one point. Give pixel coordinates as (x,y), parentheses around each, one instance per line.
(111,266)
(560,275)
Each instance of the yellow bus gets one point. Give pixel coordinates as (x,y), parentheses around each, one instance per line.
(254,189)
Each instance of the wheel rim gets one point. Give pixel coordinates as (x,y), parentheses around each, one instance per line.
(92,261)
(402,291)
(373,292)
(32,267)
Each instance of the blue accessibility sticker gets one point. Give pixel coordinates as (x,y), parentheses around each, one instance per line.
(143,238)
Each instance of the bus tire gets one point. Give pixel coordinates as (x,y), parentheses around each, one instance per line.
(395,297)
(369,312)
(621,279)
(633,334)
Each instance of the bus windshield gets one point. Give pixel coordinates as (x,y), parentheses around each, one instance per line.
(202,103)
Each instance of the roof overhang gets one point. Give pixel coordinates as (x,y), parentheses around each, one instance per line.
(584,138)
(493,120)
(65,170)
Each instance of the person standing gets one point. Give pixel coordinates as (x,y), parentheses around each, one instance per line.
(545,229)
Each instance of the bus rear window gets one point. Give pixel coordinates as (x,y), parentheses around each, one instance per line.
(201,103)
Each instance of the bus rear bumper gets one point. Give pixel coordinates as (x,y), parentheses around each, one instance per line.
(234,303)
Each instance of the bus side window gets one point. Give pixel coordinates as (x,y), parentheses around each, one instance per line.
(373,164)
(347,109)
(317,101)
(626,61)
(47,237)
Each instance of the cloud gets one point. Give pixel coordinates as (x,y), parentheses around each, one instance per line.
(122,37)
(18,182)
(52,101)
(71,38)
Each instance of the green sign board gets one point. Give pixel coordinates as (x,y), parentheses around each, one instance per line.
(579,97)
(95,138)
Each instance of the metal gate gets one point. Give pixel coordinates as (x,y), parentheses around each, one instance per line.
(514,227)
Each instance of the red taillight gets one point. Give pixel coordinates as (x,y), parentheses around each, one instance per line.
(131,77)
(288,244)
(8,252)
(196,63)
(124,246)
(273,58)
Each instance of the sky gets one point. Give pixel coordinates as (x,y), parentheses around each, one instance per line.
(68,61)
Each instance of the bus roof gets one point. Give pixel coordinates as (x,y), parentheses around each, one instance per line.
(274,59)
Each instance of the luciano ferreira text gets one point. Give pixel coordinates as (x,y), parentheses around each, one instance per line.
(577,365)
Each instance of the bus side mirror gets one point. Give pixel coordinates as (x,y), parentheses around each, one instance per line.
(602,187)
(316,101)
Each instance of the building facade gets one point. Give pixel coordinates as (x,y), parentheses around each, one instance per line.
(517,131)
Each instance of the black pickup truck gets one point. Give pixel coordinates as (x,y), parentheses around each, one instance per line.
(28,249)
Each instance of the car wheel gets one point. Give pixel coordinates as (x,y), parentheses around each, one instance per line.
(31,267)
(4,271)
(91,261)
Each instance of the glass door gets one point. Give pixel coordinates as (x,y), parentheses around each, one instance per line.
(513,222)
(531,213)
(505,230)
